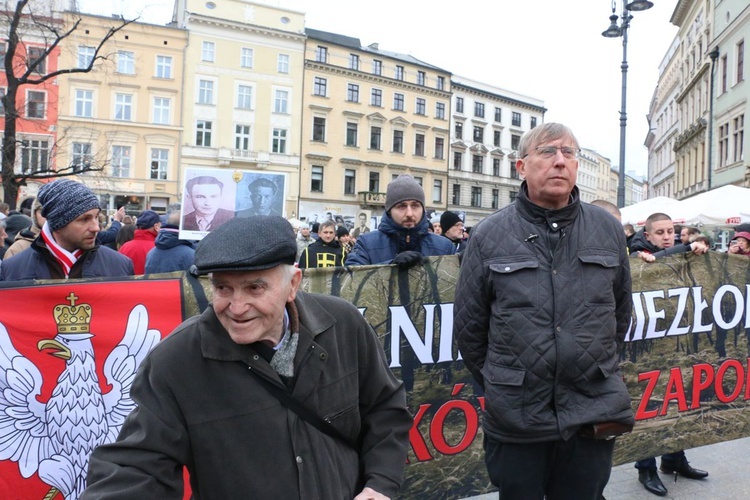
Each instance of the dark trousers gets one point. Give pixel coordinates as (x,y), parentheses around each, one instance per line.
(576,469)
(670,459)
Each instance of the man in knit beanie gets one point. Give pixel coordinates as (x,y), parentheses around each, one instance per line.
(66,246)
(453,229)
(402,237)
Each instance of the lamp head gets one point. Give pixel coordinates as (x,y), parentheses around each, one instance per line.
(638,5)
(613,31)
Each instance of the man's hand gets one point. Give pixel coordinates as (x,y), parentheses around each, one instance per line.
(407,259)
(369,493)
(119,215)
(698,247)
(646,257)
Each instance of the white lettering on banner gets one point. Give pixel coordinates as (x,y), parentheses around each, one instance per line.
(654,314)
(738,309)
(682,295)
(700,305)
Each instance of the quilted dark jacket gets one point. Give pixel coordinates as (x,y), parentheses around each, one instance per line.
(539,329)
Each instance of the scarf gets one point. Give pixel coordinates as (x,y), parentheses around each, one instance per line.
(63,257)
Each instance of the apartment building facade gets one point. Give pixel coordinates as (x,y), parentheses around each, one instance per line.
(368,116)
(487,123)
(123,118)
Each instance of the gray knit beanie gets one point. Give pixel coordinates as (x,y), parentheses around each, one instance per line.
(403,188)
(64,200)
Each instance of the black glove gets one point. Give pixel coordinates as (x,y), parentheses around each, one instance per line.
(407,259)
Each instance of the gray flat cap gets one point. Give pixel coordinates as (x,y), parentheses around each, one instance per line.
(247,244)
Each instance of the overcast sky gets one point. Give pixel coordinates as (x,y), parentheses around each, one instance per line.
(547,49)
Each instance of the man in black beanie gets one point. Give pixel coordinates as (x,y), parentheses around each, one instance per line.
(402,237)
(453,229)
(218,395)
(66,247)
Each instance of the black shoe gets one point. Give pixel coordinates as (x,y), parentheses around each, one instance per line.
(684,470)
(650,480)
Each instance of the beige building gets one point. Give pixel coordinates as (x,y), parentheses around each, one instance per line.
(123,117)
(243,92)
(369,116)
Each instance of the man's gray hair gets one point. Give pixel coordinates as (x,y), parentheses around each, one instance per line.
(544,133)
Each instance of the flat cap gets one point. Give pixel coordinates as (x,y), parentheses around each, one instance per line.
(147,219)
(247,244)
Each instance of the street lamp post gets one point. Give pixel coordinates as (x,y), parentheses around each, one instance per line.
(615,31)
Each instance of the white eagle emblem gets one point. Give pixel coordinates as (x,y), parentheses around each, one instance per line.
(57,438)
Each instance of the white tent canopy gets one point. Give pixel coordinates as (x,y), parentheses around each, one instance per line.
(636,214)
(725,206)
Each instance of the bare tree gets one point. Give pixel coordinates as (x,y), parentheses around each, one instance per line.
(51,29)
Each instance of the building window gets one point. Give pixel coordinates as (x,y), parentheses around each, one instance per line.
(124,107)
(476,196)
(398,141)
(321,54)
(279,141)
(421,77)
(496,138)
(319,129)
(162,107)
(421,106)
(741,61)
(244,97)
(533,122)
(320,86)
(2,95)
(399,75)
(208,50)
(376,98)
(398,102)
(282,64)
(37,54)
(495,198)
(375,134)
(35,105)
(478,134)
(516,120)
(441,83)
(513,196)
(163,67)
(350,181)
(459,104)
(437,191)
(205,92)
(377,67)
(85,56)
(354,62)
(479,110)
(316,178)
(3,49)
(242,137)
(477,164)
(203,133)
(496,167)
(440,110)
(738,138)
(281,101)
(34,156)
(121,161)
(84,103)
(459,130)
(351,134)
(374,183)
(159,163)
(352,92)
(419,145)
(81,156)
(456,194)
(246,57)
(457,160)
(724,70)
(126,62)
(439,148)
(498,114)
(515,140)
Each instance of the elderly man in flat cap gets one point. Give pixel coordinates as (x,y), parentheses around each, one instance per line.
(66,247)
(270,393)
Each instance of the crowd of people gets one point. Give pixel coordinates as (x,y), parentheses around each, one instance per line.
(301,378)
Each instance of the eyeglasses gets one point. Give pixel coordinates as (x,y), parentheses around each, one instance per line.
(547,152)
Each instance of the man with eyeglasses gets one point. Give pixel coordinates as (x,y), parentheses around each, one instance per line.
(542,305)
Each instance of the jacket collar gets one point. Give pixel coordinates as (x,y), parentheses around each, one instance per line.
(539,216)
(405,238)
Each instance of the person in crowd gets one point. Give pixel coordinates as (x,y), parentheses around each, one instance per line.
(24,238)
(262,195)
(740,244)
(687,233)
(125,234)
(363,226)
(147,227)
(108,235)
(66,246)
(345,239)
(402,236)
(538,350)
(14,224)
(215,395)
(453,228)
(205,193)
(170,253)
(4,210)
(437,228)
(3,236)
(314,230)
(326,251)
(304,239)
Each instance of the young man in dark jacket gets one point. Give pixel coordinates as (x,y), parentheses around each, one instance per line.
(66,246)
(326,251)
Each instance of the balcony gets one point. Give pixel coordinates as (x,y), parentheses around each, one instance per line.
(371,199)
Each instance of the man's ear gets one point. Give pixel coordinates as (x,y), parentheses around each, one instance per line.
(521,168)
